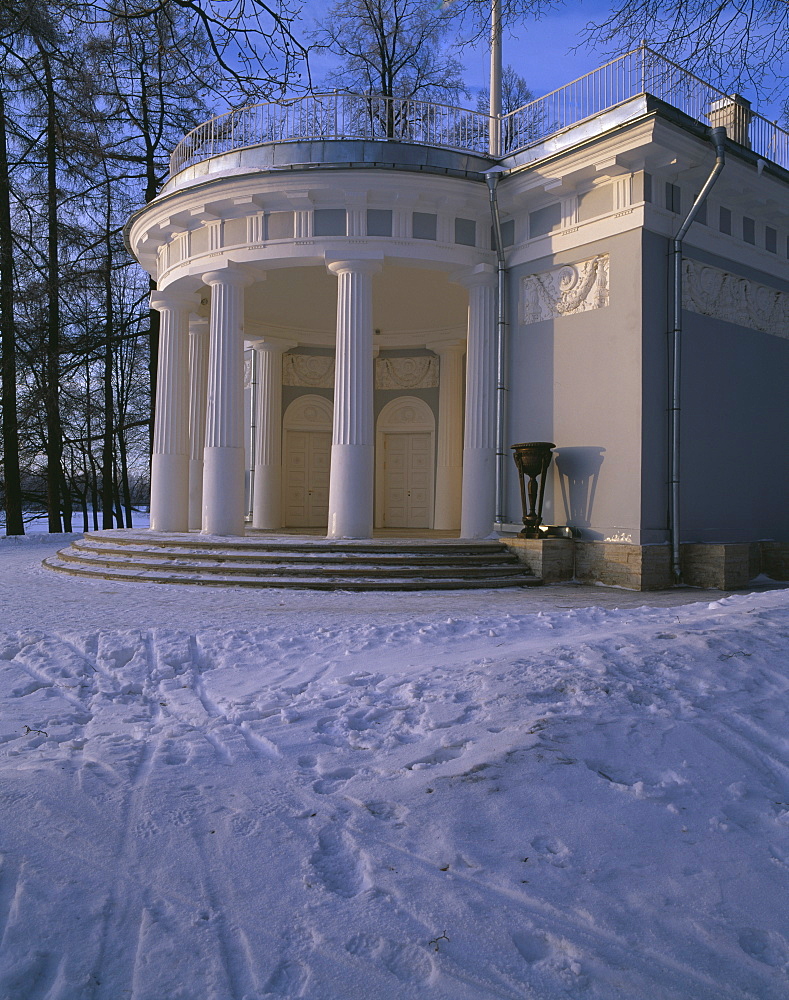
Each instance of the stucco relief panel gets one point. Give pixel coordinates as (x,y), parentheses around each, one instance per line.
(565,290)
(713,292)
(406,373)
(315,371)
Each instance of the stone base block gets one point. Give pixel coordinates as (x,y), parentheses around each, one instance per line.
(724,566)
(620,564)
(712,566)
(774,559)
(551,559)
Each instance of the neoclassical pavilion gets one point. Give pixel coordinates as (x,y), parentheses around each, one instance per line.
(292,280)
(329,346)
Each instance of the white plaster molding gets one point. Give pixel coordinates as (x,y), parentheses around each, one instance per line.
(565,290)
(247,373)
(406,373)
(721,295)
(314,370)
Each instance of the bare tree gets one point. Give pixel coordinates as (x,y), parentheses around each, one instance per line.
(729,44)
(391,48)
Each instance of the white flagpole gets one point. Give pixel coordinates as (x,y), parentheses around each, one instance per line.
(494,141)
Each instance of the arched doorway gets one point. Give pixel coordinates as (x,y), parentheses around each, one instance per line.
(404,466)
(307,426)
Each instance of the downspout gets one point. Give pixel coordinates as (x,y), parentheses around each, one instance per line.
(718,136)
(492,177)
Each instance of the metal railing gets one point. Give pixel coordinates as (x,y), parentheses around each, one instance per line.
(640,71)
(335,116)
(353,116)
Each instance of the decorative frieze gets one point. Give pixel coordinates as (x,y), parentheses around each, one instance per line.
(313,370)
(317,372)
(713,292)
(406,373)
(565,290)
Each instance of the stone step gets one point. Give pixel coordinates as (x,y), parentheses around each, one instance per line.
(304,563)
(306,553)
(301,566)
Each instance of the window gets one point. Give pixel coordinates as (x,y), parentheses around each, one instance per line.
(466,232)
(424,225)
(597,201)
(280,225)
(329,222)
(507,234)
(770,239)
(748,230)
(725,221)
(545,220)
(379,222)
(701,215)
(673,197)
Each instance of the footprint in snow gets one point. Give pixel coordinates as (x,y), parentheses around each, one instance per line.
(289,979)
(440,756)
(531,947)
(552,850)
(338,864)
(330,781)
(364,945)
(765,946)
(408,962)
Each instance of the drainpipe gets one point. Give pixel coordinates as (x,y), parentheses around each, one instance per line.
(492,176)
(718,136)
(253,388)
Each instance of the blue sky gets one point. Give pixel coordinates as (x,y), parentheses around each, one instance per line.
(541,51)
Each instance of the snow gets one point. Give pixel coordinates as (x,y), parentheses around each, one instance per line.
(233,795)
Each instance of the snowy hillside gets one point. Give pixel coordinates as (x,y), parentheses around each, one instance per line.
(318,799)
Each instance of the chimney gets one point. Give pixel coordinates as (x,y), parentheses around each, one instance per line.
(734,114)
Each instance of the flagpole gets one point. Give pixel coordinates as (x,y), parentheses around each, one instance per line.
(494,140)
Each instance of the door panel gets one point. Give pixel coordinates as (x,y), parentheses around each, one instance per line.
(306,479)
(407,480)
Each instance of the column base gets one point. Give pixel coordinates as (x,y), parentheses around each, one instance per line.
(479,492)
(223,491)
(169,492)
(195,494)
(449,491)
(267,501)
(351,491)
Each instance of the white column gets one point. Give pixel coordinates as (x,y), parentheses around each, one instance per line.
(449,464)
(170,459)
(198,385)
(267,496)
(351,482)
(479,441)
(223,471)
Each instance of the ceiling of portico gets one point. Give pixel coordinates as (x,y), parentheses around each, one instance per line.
(411,306)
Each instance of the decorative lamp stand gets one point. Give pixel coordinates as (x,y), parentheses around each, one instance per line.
(532,461)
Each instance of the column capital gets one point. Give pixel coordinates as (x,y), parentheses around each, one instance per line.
(198,324)
(235,275)
(447,347)
(473,277)
(174,298)
(270,345)
(361,265)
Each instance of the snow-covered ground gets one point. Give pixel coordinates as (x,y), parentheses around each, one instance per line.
(226,794)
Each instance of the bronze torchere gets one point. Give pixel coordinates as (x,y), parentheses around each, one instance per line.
(532,461)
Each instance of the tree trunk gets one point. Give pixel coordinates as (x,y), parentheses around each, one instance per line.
(54,442)
(14,524)
(108,450)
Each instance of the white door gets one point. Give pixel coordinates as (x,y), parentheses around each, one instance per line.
(407,476)
(306,486)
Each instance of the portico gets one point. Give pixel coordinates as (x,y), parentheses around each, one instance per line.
(387,359)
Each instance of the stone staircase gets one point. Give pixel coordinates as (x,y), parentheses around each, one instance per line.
(285,561)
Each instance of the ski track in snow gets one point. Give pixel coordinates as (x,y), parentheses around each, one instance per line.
(588,804)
